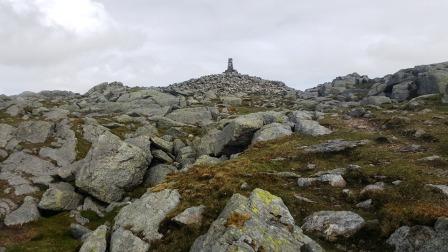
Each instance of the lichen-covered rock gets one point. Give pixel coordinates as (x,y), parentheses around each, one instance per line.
(26,213)
(260,222)
(60,196)
(271,131)
(333,225)
(34,131)
(110,168)
(96,241)
(143,216)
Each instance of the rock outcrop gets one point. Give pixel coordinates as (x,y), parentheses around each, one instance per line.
(260,222)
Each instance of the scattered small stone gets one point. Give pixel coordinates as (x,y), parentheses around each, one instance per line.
(397,182)
(301,198)
(412,148)
(365,204)
(431,158)
(245,186)
(439,188)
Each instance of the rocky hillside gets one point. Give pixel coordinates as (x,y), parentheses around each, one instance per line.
(229,162)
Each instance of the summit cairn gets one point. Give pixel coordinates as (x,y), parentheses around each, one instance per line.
(230,67)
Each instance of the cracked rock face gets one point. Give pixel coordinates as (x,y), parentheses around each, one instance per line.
(143,217)
(260,222)
(111,167)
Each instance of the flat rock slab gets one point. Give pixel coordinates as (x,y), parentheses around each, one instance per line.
(333,146)
(143,216)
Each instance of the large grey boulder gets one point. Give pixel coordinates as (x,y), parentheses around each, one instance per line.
(111,167)
(7,132)
(421,238)
(60,196)
(236,134)
(271,131)
(34,131)
(143,216)
(96,241)
(28,164)
(123,240)
(256,223)
(158,173)
(26,213)
(195,115)
(403,91)
(333,225)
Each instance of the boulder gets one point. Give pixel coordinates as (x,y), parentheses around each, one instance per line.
(6,206)
(162,156)
(231,100)
(189,216)
(271,131)
(96,241)
(60,196)
(420,238)
(333,225)
(79,231)
(162,144)
(376,100)
(254,224)
(143,216)
(34,131)
(26,213)
(194,116)
(158,173)
(123,240)
(66,154)
(28,164)
(310,127)
(110,168)
(7,132)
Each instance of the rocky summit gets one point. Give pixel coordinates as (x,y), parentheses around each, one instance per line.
(229,162)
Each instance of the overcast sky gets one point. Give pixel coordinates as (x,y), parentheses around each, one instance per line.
(75,44)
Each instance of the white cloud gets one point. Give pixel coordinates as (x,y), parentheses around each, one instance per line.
(66,44)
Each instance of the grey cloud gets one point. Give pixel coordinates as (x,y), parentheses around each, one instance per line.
(155,42)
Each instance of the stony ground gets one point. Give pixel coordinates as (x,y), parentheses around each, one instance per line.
(148,170)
